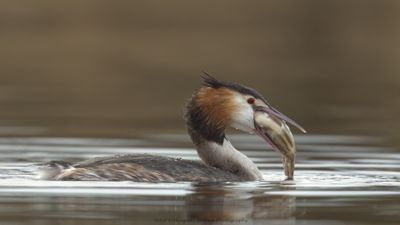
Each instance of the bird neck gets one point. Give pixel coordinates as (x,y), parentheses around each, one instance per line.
(227,158)
(207,116)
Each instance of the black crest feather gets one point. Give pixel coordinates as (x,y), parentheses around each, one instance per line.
(210,81)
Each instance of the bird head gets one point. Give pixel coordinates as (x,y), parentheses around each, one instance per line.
(218,105)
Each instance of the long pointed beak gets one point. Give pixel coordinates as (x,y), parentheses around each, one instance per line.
(271,125)
(273,112)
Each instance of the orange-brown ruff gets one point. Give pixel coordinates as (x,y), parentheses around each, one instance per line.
(214,105)
(217,104)
(211,109)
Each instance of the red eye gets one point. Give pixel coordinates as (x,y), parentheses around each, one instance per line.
(250,101)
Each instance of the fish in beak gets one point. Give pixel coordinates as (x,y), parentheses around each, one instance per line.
(271,125)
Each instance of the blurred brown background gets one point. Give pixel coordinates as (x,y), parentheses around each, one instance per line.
(123,68)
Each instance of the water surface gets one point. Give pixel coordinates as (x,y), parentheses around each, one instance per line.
(339,179)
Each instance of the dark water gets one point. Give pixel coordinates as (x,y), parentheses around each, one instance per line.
(80,79)
(339,180)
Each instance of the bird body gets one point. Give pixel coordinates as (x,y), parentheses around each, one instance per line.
(138,168)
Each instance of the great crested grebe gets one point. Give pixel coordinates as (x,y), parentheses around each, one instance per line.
(212,108)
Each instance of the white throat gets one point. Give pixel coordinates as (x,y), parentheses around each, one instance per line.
(227,158)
